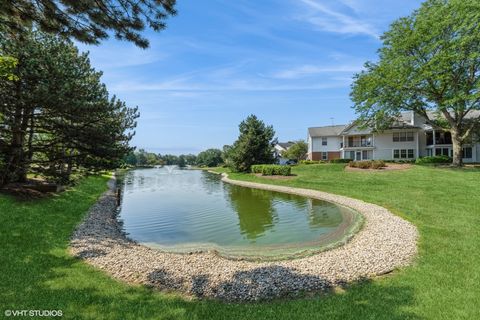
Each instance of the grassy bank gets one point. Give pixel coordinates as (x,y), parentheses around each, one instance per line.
(37,272)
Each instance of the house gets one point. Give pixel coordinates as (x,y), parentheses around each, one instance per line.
(408,138)
(279,149)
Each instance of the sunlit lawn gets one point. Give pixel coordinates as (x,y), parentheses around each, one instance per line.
(36,272)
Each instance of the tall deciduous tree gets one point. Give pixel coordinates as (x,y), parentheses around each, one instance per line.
(253,146)
(429,64)
(209,158)
(88,21)
(297,151)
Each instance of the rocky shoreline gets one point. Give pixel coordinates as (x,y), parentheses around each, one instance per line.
(386,242)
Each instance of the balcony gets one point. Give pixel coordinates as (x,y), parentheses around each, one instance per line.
(363,141)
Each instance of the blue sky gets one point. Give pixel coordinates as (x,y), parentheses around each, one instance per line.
(290,62)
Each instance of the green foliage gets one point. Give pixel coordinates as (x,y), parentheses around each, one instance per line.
(297,151)
(7,68)
(429,64)
(90,21)
(367,164)
(58,118)
(433,160)
(339,160)
(310,162)
(271,169)
(253,146)
(209,158)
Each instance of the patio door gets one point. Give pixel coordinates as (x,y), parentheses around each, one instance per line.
(358,156)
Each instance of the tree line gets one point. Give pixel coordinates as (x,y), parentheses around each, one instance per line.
(141,158)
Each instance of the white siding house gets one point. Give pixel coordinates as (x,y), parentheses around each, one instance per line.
(408,138)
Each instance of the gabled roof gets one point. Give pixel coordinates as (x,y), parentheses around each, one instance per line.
(286,145)
(326,131)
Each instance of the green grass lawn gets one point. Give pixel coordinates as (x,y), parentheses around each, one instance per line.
(36,271)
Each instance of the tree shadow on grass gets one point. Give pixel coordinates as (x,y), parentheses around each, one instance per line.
(63,283)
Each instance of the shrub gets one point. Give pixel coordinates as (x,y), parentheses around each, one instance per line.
(368,164)
(433,160)
(271,170)
(377,164)
(256,168)
(310,162)
(340,160)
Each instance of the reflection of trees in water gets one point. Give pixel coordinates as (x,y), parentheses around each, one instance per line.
(211,182)
(323,214)
(256,213)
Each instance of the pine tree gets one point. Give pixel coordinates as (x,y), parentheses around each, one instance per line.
(253,146)
(87,21)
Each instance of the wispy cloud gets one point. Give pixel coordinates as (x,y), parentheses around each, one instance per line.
(328,19)
(233,85)
(309,70)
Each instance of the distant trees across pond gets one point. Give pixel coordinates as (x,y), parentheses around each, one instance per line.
(142,158)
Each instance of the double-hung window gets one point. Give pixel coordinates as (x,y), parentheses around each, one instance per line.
(403,136)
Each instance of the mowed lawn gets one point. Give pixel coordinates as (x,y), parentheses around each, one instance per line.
(36,272)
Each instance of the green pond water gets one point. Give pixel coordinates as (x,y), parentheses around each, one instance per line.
(190,210)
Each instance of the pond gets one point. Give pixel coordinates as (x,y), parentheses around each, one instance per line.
(192,210)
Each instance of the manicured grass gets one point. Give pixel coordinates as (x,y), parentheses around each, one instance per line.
(444,204)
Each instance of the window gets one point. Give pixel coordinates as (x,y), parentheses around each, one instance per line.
(467,153)
(403,136)
(442,152)
(324,141)
(409,136)
(403,153)
(396,154)
(350,155)
(367,155)
(324,155)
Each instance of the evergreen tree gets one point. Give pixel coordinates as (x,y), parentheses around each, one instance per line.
(87,21)
(58,116)
(253,146)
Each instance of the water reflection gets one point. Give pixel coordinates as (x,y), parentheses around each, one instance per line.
(172,207)
(255,210)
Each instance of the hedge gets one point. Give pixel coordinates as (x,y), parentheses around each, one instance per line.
(271,169)
(310,162)
(433,160)
(340,160)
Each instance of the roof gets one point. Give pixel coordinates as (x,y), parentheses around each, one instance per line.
(286,145)
(326,131)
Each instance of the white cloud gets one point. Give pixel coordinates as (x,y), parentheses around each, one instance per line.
(229,85)
(327,19)
(307,70)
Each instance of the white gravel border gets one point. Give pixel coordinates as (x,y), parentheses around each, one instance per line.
(385,242)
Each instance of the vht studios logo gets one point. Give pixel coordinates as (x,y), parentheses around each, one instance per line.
(33,313)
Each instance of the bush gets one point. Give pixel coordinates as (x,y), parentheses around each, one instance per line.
(310,162)
(340,160)
(433,160)
(368,164)
(271,170)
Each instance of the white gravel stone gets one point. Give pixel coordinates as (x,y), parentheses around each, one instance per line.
(384,243)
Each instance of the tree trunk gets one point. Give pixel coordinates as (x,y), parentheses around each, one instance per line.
(457,144)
